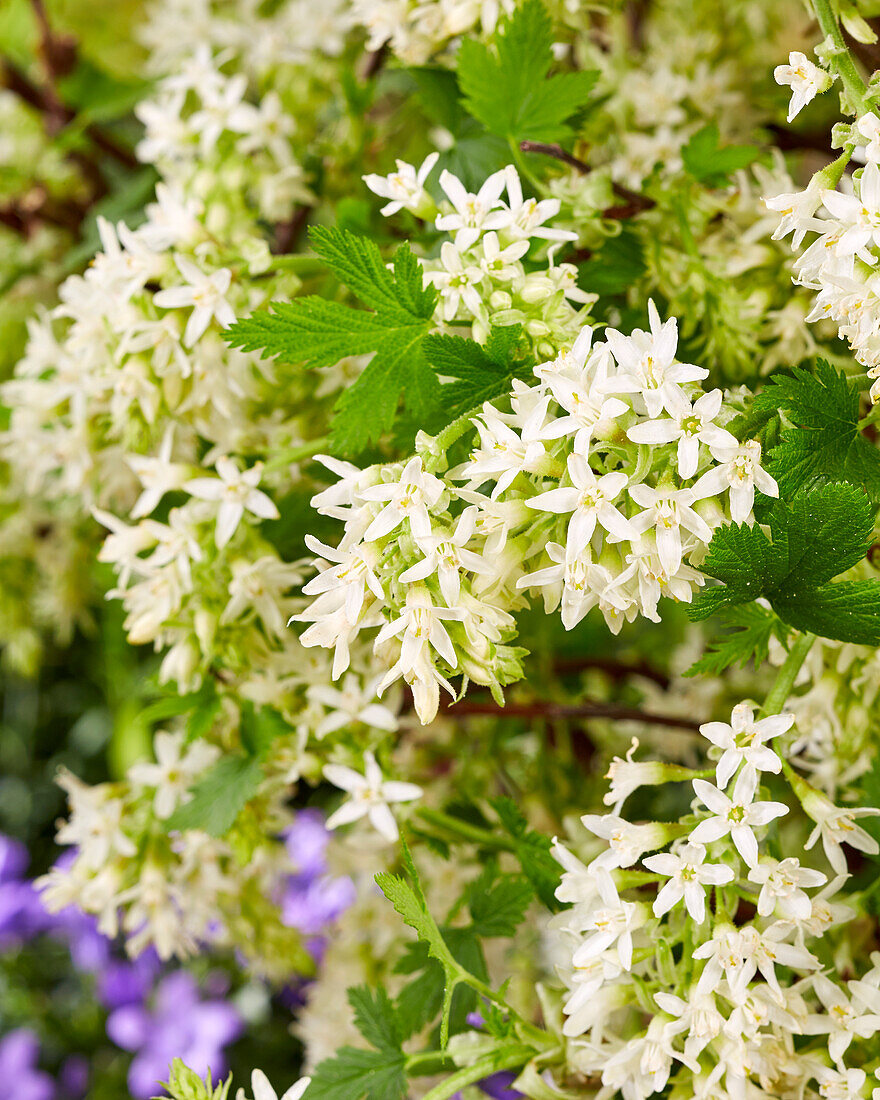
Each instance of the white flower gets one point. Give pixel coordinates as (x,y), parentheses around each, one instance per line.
(457,281)
(409,498)
(237,493)
(352,702)
(503,454)
(737,815)
(688,876)
(739,953)
(804,78)
(841,1085)
(527,216)
(741,472)
(743,741)
(666,511)
(859,215)
(648,365)
(578,380)
(611,924)
(690,425)
(474,214)
(836,826)
(781,884)
(627,842)
(158,475)
(353,574)
(446,555)
(370,796)
(177,767)
(628,775)
(500,263)
(421,624)
(204,292)
(844,1018)
(869,127)
(262,1090)
(591,499)
(405,187)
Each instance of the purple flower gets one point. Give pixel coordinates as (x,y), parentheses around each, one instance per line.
(499,1087)
(19,1052)
(306,841)
(312,899)
(21,913)
(181,1025)
(128,981)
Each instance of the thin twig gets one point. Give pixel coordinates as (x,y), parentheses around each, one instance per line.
(548,149)
(550,711)
(287,234)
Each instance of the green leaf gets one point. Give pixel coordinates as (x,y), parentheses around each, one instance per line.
(481,373)
(849,611)
(375,1017)
(219,796)
(499,909)
(318,333)
(708,163)
(357,1074)
(752,627)
(618,264)
(532,849)
(409,901)
(825,441)
(820,533)
(508,90)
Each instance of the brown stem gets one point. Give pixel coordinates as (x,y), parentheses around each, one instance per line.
(375,61)
(618,670)
(557,152)
(547,710)
(634,203)
(287,234)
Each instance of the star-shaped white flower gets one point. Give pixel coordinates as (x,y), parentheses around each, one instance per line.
(741,472)
(688,424)
(591,500)
(737,816)
(158,475)
(474,214)
(688,878)
(262,1090)
(804,78)
(370,795)
(204,292)
(409,498)
(405,187)
(743,741)
(236,492)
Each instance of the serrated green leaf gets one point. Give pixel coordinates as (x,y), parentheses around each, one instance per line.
(532,850)
(748,639)
(498,909)
(360,1075)
(375,1017)
(820,533)
(318,333)
(508,90)
(219,796)
(411,907)
(481,372)
(709,163)
(848,611)
(825,441)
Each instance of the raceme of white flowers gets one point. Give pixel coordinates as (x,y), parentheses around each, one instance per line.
(723,978)
(596,489)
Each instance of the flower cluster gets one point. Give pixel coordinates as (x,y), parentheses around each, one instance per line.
(728,962)
(596,489)
(481,273)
